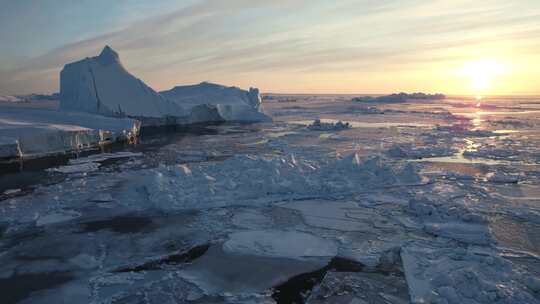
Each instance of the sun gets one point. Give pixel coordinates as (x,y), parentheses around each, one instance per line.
(481,74)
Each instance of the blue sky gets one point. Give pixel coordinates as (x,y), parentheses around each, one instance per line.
(363,46)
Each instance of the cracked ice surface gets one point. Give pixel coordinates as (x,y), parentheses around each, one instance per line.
(276,212)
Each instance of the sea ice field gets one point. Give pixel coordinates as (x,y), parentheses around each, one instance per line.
(335,201)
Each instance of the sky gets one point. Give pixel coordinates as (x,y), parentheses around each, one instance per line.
(488,47)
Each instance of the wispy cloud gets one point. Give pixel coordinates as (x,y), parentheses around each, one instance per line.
(240,41)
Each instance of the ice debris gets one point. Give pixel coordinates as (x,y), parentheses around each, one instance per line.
(317,125)
(445,274)
(451,221)
(242,180)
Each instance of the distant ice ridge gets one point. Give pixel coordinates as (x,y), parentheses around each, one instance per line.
(30,97)
(400,97)
(103,86)
(9,98)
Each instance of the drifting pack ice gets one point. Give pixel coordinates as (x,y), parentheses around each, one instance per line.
(102,85)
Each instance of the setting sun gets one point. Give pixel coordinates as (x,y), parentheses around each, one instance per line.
(481,73)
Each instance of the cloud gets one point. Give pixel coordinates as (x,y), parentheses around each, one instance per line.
(211,40)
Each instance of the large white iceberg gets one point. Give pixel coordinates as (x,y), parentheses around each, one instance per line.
(102,85)
(232,103)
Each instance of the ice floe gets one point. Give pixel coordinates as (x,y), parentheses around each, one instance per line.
(282,244)
(461,275)
(30,133)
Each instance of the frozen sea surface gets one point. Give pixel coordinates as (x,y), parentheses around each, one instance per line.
(434,202)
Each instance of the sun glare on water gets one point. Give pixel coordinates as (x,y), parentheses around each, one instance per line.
(481,74)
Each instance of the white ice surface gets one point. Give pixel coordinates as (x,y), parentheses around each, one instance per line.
(37,132)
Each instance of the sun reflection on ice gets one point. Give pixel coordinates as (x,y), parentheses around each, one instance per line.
(477,120)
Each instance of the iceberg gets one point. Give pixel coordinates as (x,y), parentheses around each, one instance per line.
(232,103)
(102,85)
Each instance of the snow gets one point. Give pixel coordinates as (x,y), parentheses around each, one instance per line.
(30,133)
(232,103)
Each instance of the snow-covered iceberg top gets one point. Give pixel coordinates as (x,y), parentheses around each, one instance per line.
(232,103)
(101,85)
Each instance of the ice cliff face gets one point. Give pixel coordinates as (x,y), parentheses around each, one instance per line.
(102,85)
(232,103)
